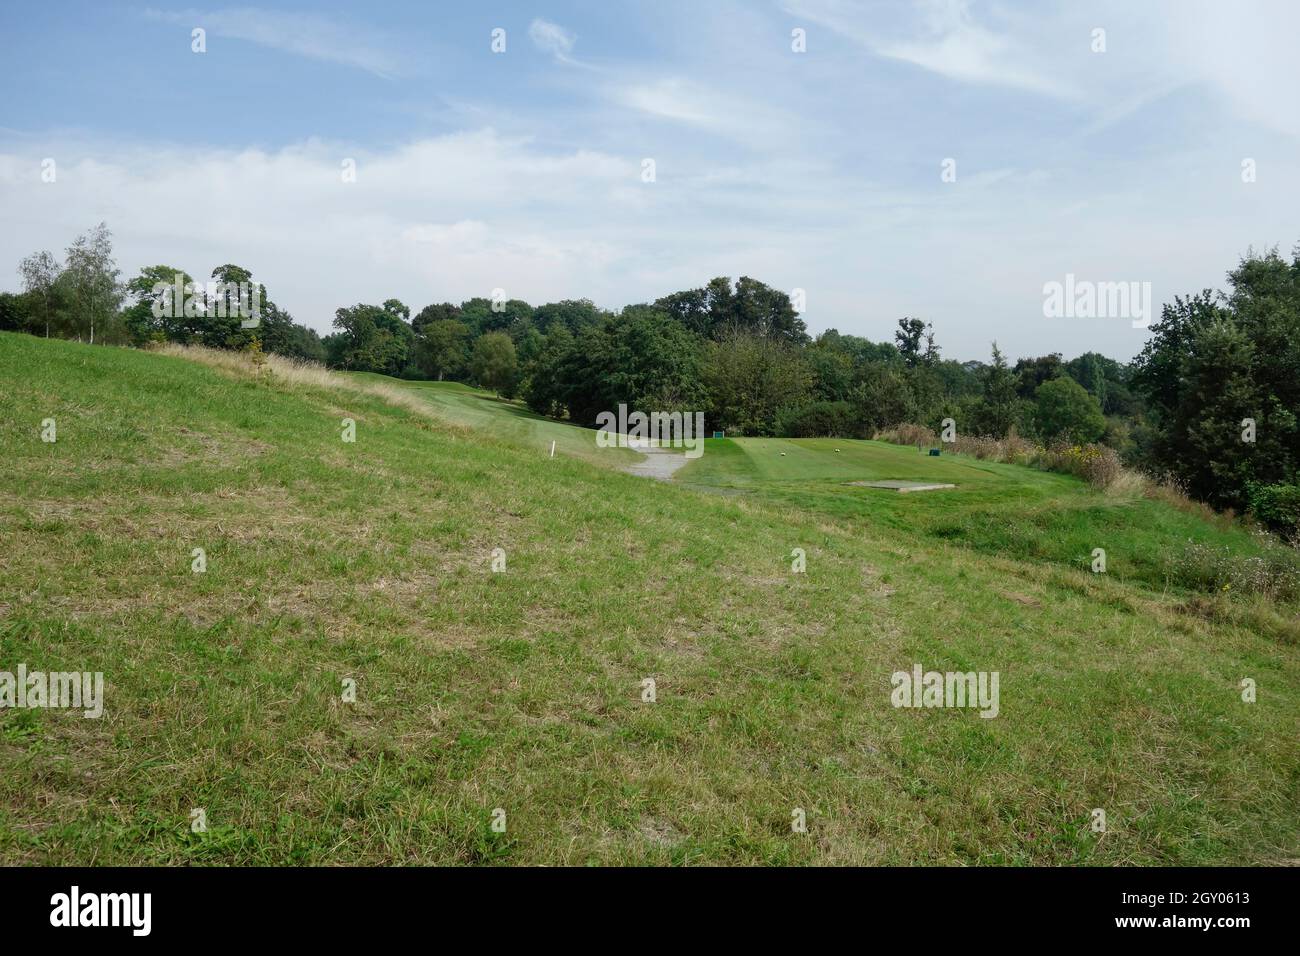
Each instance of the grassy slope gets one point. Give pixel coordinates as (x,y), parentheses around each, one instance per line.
(477,409)
(522,690)
(996,509)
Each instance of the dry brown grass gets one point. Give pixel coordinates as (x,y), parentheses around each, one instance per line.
(907,434)
(1173,494)
(295,372)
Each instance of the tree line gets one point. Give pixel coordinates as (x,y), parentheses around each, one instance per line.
(1212,402)
(82,296)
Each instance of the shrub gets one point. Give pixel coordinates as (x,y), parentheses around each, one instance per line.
(816,420)
(1065,410)
(1276,507)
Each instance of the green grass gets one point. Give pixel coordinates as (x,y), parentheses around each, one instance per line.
(522,690)
(996,509)
(508,421)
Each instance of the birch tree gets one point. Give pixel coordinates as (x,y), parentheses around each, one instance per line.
(39,272)
(92,274)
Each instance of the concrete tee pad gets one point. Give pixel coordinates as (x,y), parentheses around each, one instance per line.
(902,487)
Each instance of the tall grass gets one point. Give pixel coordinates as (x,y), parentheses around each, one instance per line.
(294,372)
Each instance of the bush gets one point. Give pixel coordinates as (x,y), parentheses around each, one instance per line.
(1276,507)
(413,373)
(816,420)
(1066,411)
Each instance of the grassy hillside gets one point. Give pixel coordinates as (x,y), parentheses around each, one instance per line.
(522,690)
(1016,512)
(508,421)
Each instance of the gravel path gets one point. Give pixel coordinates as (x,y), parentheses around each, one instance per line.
(659,463)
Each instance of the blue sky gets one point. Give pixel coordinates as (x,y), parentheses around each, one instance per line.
(522,170)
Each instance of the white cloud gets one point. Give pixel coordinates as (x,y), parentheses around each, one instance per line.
(958,47)
(1241,54)
(453,217)
(674,99)
(553,39)
(445,218)
(944,38)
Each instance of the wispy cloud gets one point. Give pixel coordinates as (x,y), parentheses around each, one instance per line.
(943,37)
(710,110)
(958,47)
(553,39)
(309,35)
(674,99)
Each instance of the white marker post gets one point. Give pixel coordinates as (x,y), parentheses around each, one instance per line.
(552,449)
